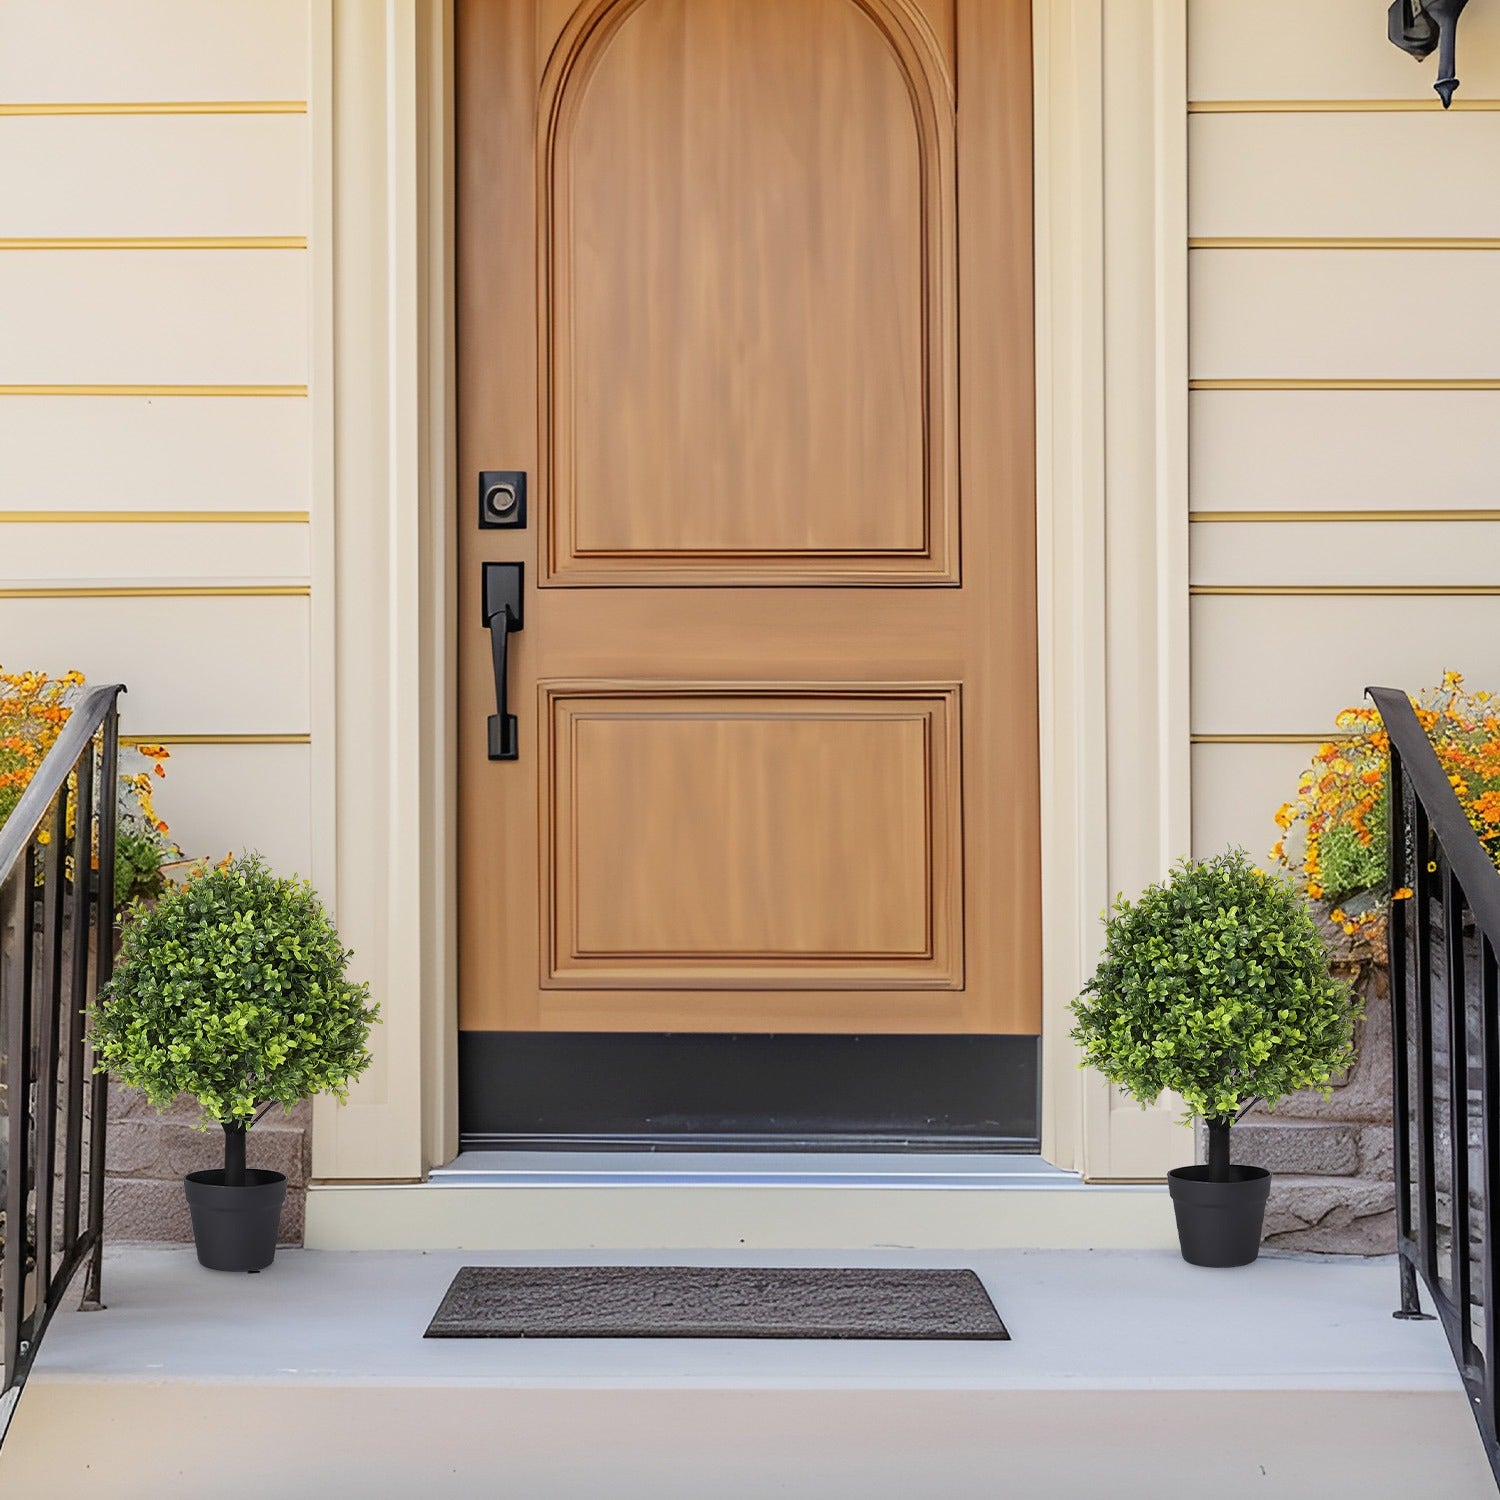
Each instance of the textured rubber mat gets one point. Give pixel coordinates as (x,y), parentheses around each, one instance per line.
(714,1302)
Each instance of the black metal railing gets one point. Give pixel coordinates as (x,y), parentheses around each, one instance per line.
(1444,938)
(57,916)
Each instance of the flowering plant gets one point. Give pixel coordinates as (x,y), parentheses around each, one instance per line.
(33,710)
(1337,825)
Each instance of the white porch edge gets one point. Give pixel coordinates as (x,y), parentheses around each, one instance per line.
(1111,324)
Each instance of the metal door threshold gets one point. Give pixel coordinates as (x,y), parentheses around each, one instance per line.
(946,1170)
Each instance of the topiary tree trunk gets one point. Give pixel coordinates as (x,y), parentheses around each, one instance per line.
(234,1153)
(1218,1149)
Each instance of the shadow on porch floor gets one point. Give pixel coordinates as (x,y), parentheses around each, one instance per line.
(1129,1374)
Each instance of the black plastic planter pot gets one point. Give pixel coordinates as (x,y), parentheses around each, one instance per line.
(1219,1223)
(235,1228)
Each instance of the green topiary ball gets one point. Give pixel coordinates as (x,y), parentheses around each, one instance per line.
(232,988)
(1215,984)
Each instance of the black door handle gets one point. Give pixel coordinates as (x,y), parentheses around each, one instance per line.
(502,618)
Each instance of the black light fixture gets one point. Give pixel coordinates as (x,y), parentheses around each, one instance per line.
(1423,27)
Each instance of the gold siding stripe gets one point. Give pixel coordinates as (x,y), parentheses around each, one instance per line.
(1341,383)
(153,390)
(1262,740)
(215,739)
(1336,242)
(163,591)
(160,242)
(1345,590)
(1333,106)
(164,107)
(1270,517)
(153,517)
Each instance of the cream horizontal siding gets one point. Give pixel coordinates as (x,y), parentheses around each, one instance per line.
(1326,49)
(204,664)
(1308,553)
(1236,791)
(1322,314)
(229,796)
(155,500)
(1288,663)
(151,317)
(1343,450)
(154,175)
(143,545)
(1290,174)
(150,453)
(103,50)
(1342,238)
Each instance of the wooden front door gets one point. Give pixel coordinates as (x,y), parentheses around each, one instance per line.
(745,289)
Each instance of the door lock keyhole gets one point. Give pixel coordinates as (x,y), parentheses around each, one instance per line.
(502,499)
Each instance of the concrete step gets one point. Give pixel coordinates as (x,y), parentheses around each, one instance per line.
(1130,1375)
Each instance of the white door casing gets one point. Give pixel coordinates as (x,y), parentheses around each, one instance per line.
(1111,186)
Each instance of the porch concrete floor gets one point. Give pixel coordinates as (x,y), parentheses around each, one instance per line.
(1128,1373)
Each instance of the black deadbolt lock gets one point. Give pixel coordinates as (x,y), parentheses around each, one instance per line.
(502,499)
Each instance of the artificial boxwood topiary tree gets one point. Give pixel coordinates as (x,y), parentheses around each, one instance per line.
(232,988)
(1215,985)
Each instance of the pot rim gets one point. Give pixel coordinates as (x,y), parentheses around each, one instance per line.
(1247,1174)
(257,1180)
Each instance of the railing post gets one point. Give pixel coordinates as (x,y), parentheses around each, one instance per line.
(77,996)
(1458,1106)
(1421,898)
(104,961)
(1489,1099)
(15,1005)
(1397,951)
(54,890)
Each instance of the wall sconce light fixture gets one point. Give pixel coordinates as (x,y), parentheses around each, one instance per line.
(1423,27)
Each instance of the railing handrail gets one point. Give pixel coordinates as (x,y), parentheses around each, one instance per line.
(1445,1057)
(88,714)
(1467,856)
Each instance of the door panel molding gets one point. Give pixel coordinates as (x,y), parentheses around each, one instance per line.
(652,394)
(654,792)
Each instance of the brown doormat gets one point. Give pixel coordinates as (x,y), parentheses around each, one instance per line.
(714,1302)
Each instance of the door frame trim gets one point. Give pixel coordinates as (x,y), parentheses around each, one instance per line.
(1113,626)
(1112,444)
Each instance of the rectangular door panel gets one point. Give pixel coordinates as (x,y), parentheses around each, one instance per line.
(753,835)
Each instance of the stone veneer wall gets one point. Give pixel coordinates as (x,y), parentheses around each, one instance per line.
(147,1155)
(1333,1172)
